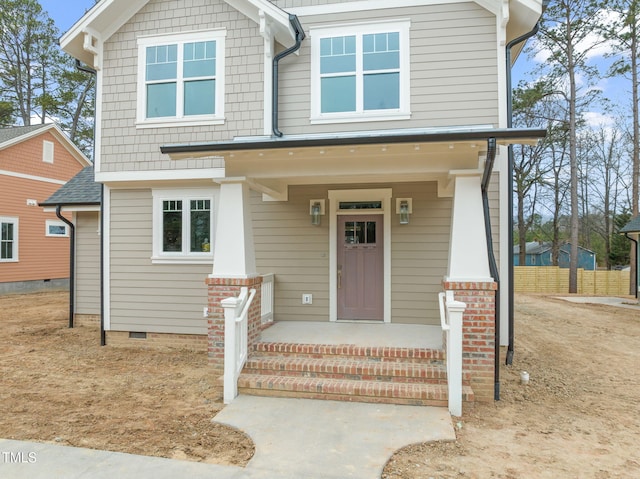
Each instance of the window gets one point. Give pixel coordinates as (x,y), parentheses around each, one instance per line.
(181,79)
(8,239)
(360,76)
(56,228)
(47,151)
(183,225)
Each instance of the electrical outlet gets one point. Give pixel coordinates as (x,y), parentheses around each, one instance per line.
(307,298)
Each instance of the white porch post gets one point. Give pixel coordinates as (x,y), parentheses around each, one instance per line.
(234,254)
(468,253)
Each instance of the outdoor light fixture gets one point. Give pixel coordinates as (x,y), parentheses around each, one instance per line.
(404,209)
(316,208)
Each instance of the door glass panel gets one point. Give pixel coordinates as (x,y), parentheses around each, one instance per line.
(371,232)
(355,232)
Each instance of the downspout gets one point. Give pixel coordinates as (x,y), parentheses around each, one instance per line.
(493,266)
(295,24)
(510,45)
(635,273)
(72,264)
(103,341)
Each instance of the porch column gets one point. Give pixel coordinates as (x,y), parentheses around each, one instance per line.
(468,252)
(470,280)
(234,266)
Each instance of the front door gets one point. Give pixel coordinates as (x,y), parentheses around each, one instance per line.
(360,267)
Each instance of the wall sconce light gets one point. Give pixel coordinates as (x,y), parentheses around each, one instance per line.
(316,208)
(404,209)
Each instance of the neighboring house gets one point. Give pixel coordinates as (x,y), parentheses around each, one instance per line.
(632,231)
(341,148)
(539,254)
(34,246)
(78,201)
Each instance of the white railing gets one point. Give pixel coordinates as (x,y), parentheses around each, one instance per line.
(451,312)
(266,295)
(236,312)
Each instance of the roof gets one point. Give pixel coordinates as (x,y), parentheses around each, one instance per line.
(633,226)
(79,190)
(12,133)
(413,136)
(17,134)
(537,247)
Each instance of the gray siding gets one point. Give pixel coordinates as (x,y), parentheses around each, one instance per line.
(453,69)
(419,254)
(161,298)
(87,297)
(298,253)
(288,245)
(126,148)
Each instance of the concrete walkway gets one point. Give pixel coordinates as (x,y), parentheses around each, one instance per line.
(627,303)
(294,438)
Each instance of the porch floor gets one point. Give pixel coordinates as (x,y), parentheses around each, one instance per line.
(359,334)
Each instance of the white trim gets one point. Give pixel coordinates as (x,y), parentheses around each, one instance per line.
(31,177)
(335,197)
(160,175)
(106,257)
(71,208)
(368,5)
(15,221)
(48,151)
(402,26)
(185,195)
(179,39)
(49,223)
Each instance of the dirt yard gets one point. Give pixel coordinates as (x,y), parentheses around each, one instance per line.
(59,385)
(577,418)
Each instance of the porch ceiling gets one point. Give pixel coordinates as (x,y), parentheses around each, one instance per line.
(404,155)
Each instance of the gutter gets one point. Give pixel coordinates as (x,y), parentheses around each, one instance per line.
(72,264)
(511,319)
(493,266)
(103,341)
(300,35)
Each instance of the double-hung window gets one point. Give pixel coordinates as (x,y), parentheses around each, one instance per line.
(181,79)
(8,239)
(360,72)
(183,225)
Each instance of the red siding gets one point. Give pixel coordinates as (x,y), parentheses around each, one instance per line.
(40,257)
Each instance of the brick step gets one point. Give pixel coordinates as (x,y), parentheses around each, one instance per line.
(347,368)
(418,394)
(407,355)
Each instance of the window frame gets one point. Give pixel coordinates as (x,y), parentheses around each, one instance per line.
(15,222)
(402,27)
(179,39)
(184,256)
(49,223)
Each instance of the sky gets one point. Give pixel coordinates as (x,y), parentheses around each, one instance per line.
(66,12)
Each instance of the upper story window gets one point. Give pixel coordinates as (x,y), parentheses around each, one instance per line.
(360,72)
(8,239)
(181,79)
(56,228)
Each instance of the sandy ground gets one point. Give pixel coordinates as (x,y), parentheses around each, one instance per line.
(577,418)
(58,385)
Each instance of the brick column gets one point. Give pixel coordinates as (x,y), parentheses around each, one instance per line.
(219,289)
(478,333)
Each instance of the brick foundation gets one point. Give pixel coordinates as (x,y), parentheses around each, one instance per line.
(219,289)
(192,342)
(478,334)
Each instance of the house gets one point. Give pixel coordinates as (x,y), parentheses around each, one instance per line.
(34,247)
(632,231)
(539,253)
(328,165)
(78,202)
